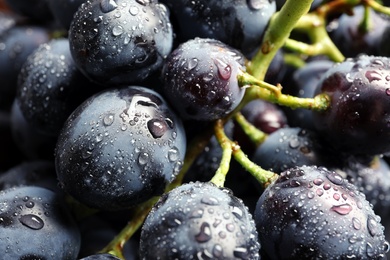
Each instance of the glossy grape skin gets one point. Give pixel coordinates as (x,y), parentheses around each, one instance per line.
(119,148)
(120,42)
(36,224)
(292,146)
(372,179)
(199,220)
(310,212)
(357,120)
(18,42)
(351,40)
(240,24)
(50,86)
(200,79)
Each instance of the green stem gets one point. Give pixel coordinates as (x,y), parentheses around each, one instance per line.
(115,247)
(255,135)
(366,24)
(220,175)
(314,25)
(279,29)
(378,7)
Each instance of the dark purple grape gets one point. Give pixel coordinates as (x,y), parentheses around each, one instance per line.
(310,212)
(292,146)
(50,86)
(31,173)
(199,221)
(351,39)
(118,42)
(35,224)
(16,44)
(200,79)
(372,179)
(358,119)
(119,148)
(238,23)
(303,84)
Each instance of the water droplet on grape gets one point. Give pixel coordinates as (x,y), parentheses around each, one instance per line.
(387,91)
(335,178)
(143,158)
(30,204)
(108,5)
(143,2)
(133,10)
(192,63)
(224,69)
(117,30)
(173,154)
(217,251)
(241,253)
(157,127)
(372,226)
(356,223)
(108,119)
(372,75)
(212,201)
(32,221)
(256,4)
(342,209)
(204,234)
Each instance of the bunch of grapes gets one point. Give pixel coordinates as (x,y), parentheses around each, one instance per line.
(194,129)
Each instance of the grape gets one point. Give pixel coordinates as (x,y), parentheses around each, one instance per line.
(199,220)
(310,212)
(35,224)
(240,24)
(292,146)
(200,79)
(347,33)
(119,148)
(358,118)
(120,42)
(17,43)
(49,86)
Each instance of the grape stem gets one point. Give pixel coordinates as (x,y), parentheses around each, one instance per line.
(255,135)
(264,177)
(279,29)
(260,89)
(224,166)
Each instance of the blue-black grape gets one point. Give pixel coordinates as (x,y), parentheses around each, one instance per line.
(17,43)
(238,23)
(120,148)
(292,146)
(200,79)
(199,221)
(36,224)
(120,42)
(311,212)
(349,35)
(357,120)
(50,86)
